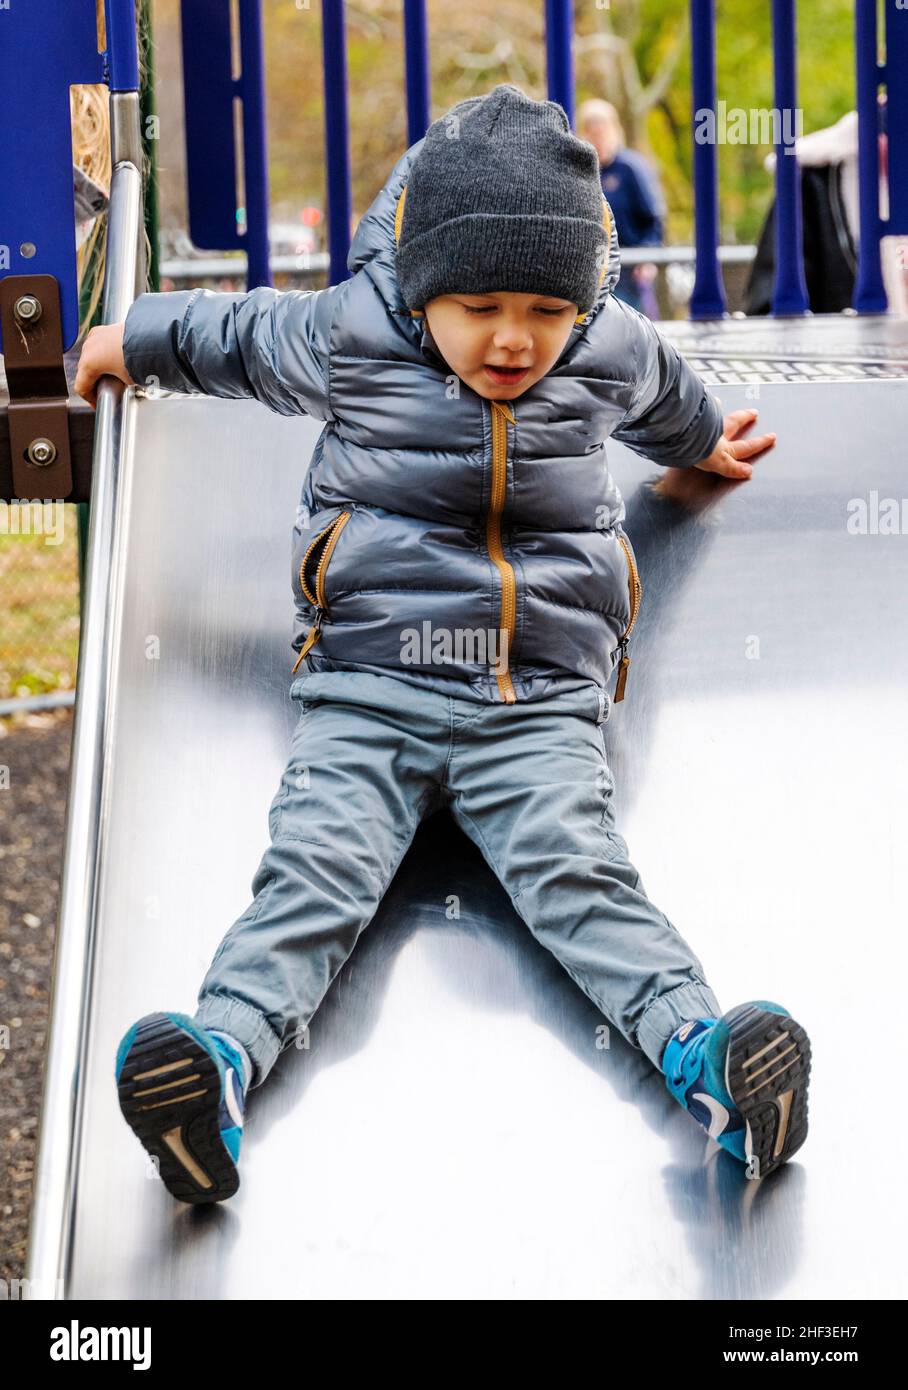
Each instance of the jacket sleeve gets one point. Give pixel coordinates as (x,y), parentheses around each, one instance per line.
(672,419)
(269,344)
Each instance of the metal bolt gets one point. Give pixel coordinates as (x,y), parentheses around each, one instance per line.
(42,452)
(27,308)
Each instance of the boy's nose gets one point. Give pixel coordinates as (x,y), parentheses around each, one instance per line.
(514,339)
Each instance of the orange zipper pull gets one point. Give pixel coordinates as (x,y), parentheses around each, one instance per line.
(622,673)
(312,637)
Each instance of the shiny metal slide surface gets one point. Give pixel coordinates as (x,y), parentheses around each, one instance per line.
(453,1129)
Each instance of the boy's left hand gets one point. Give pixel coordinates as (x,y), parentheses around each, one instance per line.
(732,452)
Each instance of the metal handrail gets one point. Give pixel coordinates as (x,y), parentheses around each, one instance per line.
(56,1169)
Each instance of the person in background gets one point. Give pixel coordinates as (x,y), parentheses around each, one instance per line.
(830,223)
(828,161)
(631,187)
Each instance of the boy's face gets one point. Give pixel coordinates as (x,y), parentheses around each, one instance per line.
(476,333)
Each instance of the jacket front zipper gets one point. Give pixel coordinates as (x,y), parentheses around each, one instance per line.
(501,413)
(329,536)
(636,593)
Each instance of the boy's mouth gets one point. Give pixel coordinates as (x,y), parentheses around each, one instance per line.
(504,375)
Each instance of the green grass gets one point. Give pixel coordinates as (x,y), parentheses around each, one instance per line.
(39,611)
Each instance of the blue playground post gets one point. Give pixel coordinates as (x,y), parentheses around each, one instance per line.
(559,63)
(337,138)
(121,60)
(416,64)
(251,86)
(707,300)
(896,78)
(869,295)
(790,289)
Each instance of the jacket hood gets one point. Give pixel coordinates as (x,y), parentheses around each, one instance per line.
(374,247)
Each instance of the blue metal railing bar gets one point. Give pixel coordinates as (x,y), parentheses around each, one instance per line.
(337,137)
(559,63)
(121,59)
(896,78)
(708,297)
(790,288)
(251,88)
(869,294)
(416,68)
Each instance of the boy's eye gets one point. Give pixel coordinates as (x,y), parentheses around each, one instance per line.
(489,308)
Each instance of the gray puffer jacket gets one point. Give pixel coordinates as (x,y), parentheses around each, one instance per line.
(470,546)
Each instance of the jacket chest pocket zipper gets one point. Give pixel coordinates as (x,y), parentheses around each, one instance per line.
(636,593)
(327,539)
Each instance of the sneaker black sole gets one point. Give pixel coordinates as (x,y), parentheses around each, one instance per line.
(767,1070)
(170,1090)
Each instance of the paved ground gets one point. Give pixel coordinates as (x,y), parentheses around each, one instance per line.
(36,750)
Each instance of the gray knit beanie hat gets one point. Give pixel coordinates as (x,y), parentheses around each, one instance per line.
(502,196)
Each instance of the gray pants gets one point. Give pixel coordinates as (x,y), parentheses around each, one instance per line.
(529,784)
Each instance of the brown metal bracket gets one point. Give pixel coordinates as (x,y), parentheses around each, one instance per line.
(38,392)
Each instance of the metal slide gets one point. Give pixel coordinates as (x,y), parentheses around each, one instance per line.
(454,1129)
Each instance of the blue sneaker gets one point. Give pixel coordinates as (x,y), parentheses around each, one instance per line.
(181,1090)
(744,1078)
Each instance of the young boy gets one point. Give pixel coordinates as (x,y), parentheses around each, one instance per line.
(464,593)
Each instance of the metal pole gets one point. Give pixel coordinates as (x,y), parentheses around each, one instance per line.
(896,75)
(869,292)
(56,1172)
(790,288)
(416,64)
(255,145)
(559,64)
(707,300)
(122,49)
(337,140)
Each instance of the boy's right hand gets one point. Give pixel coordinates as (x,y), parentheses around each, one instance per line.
(102,355)
(732,454)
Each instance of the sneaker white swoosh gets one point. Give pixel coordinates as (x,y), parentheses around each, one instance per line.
(719,1116)
(230,1081)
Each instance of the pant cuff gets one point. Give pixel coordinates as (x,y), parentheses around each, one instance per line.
(668,1011)
(247,1025)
